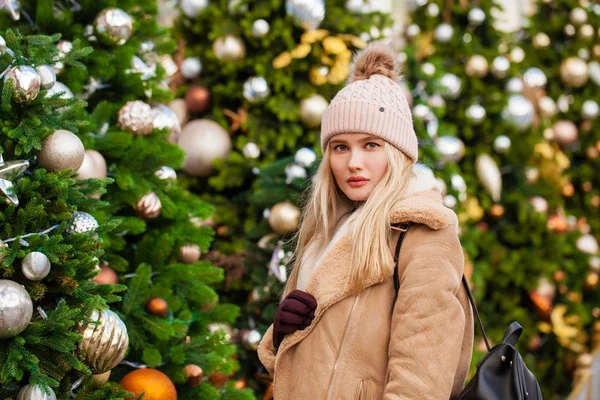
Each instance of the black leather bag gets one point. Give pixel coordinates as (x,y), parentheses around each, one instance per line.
(502,373)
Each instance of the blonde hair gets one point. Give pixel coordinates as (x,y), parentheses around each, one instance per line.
(371,229)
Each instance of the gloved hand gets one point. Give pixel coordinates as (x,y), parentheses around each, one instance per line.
(295,312)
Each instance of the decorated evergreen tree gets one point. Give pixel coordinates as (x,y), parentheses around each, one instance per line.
(479,106)
(255,77)
(50,244)
(177,347)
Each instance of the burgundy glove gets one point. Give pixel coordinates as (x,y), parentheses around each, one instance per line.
(295,313)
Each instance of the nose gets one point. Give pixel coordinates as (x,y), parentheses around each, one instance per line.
(355,163)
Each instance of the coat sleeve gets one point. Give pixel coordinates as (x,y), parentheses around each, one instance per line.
(267,352)
(428,321)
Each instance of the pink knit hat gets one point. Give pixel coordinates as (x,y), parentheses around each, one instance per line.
(372,102)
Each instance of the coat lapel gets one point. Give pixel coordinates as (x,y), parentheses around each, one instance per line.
(328,284)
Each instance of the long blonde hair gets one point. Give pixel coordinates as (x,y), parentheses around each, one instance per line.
(371,230)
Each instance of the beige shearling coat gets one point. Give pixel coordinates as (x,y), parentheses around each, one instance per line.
(361,345)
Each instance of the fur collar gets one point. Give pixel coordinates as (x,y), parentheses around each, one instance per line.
(422,204)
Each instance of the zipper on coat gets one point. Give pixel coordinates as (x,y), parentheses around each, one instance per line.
(337,359)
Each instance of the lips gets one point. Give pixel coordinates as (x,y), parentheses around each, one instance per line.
(357,179)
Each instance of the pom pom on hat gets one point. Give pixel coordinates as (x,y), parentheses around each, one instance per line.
(375,59)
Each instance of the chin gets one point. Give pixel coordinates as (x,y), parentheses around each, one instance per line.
(357,195)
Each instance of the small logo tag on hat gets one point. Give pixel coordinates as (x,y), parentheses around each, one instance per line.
(381,109)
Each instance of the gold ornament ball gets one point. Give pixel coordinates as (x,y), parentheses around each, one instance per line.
(477,66)
(104,342)
(568,190)
(195,375)
(100,379)
(2,254)
(229,48)
(311,110)
(541,41)
(559,276)
(149,206)
(241,383)
(591,280)
(106,276)
(93,166)
(155,384)
(180,109)
(284,217)
(197,99)
(574,72)
(60,151)
(190,253)
(157,306)
(565,132)
(203,141)
(586,32)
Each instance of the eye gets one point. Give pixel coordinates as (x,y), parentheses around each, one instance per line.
(340,147)
(372,145)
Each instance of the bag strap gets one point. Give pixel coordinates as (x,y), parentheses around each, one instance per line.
(403,230)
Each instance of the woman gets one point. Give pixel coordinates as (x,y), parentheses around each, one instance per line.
(340,332)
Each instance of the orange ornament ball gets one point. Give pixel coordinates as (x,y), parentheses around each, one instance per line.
(154,384)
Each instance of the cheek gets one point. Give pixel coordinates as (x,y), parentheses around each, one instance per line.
(379,168)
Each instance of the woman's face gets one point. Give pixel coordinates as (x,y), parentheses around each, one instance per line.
(358,162)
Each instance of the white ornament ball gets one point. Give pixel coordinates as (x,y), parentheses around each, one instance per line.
(443,33)
(578,16)
(294,171)
(191,67)
(500,66)
(476,16)
(535,78)
(547,106)
(203,141)
(260,28)
(476,113)
(192,8)
(587,244)
(251,150)
(539,204)
(35,266)
(514,85)
(166,172)
(590,109)
(477,66)
(312,109)
(450,86)
(451,149)
(565,132)
(519,112)
(305,157)
(502,144)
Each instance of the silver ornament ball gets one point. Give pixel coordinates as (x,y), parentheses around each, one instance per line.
(476,16)
(256,89)
(565,132)
(35,266)
(476,113)
(443,33)
(421,111)
(35,392)
(547,107)
(451,149)
(60,87)
(514,85)
(502,144)
(539,204)
(251,150)
(192,8)
(164,117)
(412,31)
(433,10)
(260,28)
(47,76)
(312,109)
(251,339)
(458,183)
(450,86)
(535,78)
(16,308)
(590,109)
(294,171)
(113,26)
(305,157)
(136,117)
(587,244)
(26,83)
(428,69)
(307,13)
(166,172)
(500,66)
(82,222)
(519,112)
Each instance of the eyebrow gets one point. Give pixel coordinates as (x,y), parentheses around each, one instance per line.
(361,140)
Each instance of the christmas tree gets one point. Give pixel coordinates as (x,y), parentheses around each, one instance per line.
(264,71)
(476,104)
(561,75)
(51,244)
(178,347)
